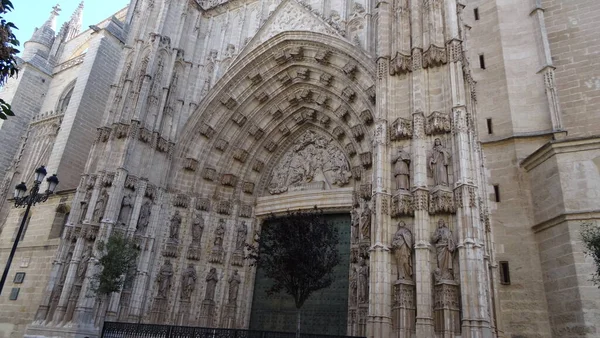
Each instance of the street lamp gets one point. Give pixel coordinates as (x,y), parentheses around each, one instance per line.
(27,201)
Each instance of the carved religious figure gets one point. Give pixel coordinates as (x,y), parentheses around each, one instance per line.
(445,246)
(144,218)
(163,279)
(219,234)
(125,213)
(174,227)
(211,284)
(401,170)
(402,245)
(83,265)
(242,233)
(363,281)
(188,282)
(438,163)
(353,286)
(234,285)
(365,221)
(197,228)
(355,226)
(84,206)
(99,207)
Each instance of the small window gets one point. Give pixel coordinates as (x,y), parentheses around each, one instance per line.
(476,13)
(504,273)
(490,127)
(497,192)
(481,61)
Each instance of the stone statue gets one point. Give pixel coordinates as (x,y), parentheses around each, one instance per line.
(234,285)
(445,246)
(144,218)
(125,213)
(99,207)
(164,279)
(219,234)
(85,205)
(438,163)
(353,287)
(188,282)
(401,170)
(83,265)
(197,228)
(211,284)
(365,220)
(355,226)
(175,225)
(363,281)
(402,245)
(242,233)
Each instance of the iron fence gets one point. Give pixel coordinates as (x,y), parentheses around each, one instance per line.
(131,330)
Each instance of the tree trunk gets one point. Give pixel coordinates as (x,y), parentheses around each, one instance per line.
(298,324)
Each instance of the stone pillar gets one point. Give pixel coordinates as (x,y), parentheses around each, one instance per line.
(403,309)
(61,308)
(447,309)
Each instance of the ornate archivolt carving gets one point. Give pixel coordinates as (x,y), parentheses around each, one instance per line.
(209,174)
(245,210)
(190,164)
(206,130)
(311,158)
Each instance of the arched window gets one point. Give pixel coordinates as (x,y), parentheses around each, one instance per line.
(65,98)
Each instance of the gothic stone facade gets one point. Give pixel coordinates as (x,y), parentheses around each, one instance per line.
(458,134)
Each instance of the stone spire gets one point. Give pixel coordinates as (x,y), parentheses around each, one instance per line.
(45,34)
(75,23)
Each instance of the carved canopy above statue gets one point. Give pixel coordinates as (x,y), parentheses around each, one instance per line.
(312,162)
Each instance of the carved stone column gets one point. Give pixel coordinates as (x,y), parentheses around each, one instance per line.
(403,308)
(447,309)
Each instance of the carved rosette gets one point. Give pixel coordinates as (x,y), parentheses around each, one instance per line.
(438,123)
(441,201)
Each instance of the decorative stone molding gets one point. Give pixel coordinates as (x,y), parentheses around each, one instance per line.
(145,135)
(358,132)
(255,77)
(460,121)
(120,130)
(366,191)
(401,64)
(349,94)
(248,187)
(276,113)
(162,145)
(103,134)
(438,123)
(229,180)
(417,59)
(419,125)
(193,253)
(338,132)
(91,181)
(357,172)
(326,79)
(372,94)
(256,132)
(209,174)
(221,144)
(270,146)
(302,73)
(224,207)
(107,179)
(228,102)
(150,191)
(131,182)
(401,129)
(458,198)
(258,165)
(190,164)
(350,69)
(420,200)
(366,116)
(342,113)
(350,149)
(434,56)
(321,99)
(207,131)
(245,210)
(181,201)
(323,56)
(325,121)
(366,159)
(170,250)
(239,119)
(284,78)
(441,201)
(261,97)
(402,205)
(240,155)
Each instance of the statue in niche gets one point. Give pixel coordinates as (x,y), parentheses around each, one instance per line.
(353,286)
(84,205)
(234,286)
(363,281)
(365,221)
(211,284)
(188,282)
(242,233)
(83,265)
(144,219)
(197,228)
(445,246)
(219,234)
(355,226)
(99,207)
(230,51)
(164,279)
(174,227)
(401,170)
(402,245)
(438,163)
(125,213)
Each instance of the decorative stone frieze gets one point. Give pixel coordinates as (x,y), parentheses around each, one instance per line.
(190,164)
(150,191)
(321,99)
(270,146)
(402,204)
(258,165)
(434,56)
(255,77)
(438,123)
(342,113)
(302,73)
(284,78)
(207,131)
(338,132)
(358,132)
(326,79)
(256,132)
(371,93)
(325,121)
(245,210)
(240,155)
(420,200)
(401,64)
(145,135)
(323,56)
(181,201)
(103,134)
(366,191)
(91,181)
(239,119)
(350,69)
(261,97)
(229,180)
(224,207)
(107,179)
(357,172)
(228,102)
(248,187)
(349,94)
(276,113)
(366,159)
(417,59)
(401,129)
(203,204)
(131,182)
(455,52)
(221,144)
(209,174)
(162,145)
(441,201)
(366,116)
(120,130)
(350,149)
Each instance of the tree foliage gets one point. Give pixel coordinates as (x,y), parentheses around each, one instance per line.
(298,252)
(119,259)
(590,234)
(8,52)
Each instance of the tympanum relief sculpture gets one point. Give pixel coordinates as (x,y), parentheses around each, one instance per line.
(313,162)
(444,246)
(402,246)
(438,161)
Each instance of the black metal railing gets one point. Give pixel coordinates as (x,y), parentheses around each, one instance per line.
(130,330)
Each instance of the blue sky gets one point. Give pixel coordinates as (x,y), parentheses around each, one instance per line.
(29,14)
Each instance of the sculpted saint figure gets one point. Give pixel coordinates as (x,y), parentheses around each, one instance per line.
(353,287)
(211,284)
(125,213)
(438,163)
(355,225)
(365,220)
(219,233)
(401,170)
(234,285)
(242,233)
(82,266)
(144,218)
(188,282)
(444,245)
(197,228)
(175,225)
(363,281)
(99,207)
(85,205)
(164,279)
(402,245)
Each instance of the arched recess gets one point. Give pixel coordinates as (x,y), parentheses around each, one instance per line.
(296,81)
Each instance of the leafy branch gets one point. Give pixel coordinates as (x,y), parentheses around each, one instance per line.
(119,260)
(590,234)
(8,52)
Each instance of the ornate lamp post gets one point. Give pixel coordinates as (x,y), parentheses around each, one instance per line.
(27,201)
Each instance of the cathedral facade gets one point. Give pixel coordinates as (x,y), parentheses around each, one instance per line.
(453,143)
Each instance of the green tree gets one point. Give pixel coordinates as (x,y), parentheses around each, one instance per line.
(8,53)
(590,234)
(298,252)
